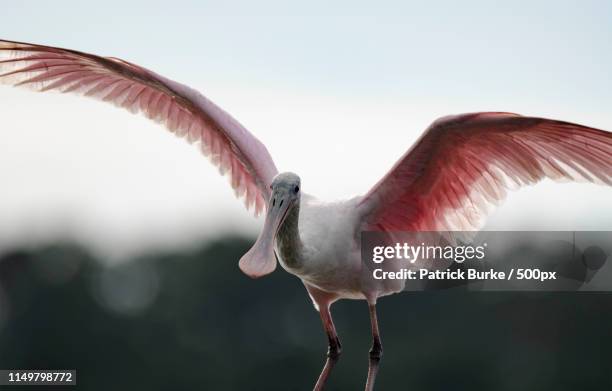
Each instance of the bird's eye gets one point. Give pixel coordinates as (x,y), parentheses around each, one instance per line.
(270,187)
(296,189)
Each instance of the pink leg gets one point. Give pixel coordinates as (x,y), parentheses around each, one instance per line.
(323,301)
(376,351)
(334,348)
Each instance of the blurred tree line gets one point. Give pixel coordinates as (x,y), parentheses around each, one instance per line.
(191,320)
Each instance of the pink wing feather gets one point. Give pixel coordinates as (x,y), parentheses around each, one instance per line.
(182,110)
(463,164)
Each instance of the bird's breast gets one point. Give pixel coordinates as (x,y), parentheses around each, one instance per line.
(328,254)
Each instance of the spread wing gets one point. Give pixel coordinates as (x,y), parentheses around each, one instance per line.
(462,165)
(182,110)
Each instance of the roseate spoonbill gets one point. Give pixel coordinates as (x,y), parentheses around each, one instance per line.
(461,165)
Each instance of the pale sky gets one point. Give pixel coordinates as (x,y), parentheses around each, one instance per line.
(336,90)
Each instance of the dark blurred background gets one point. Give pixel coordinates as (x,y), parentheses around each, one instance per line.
(191,320)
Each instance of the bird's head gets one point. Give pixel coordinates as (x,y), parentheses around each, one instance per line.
(285,195)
